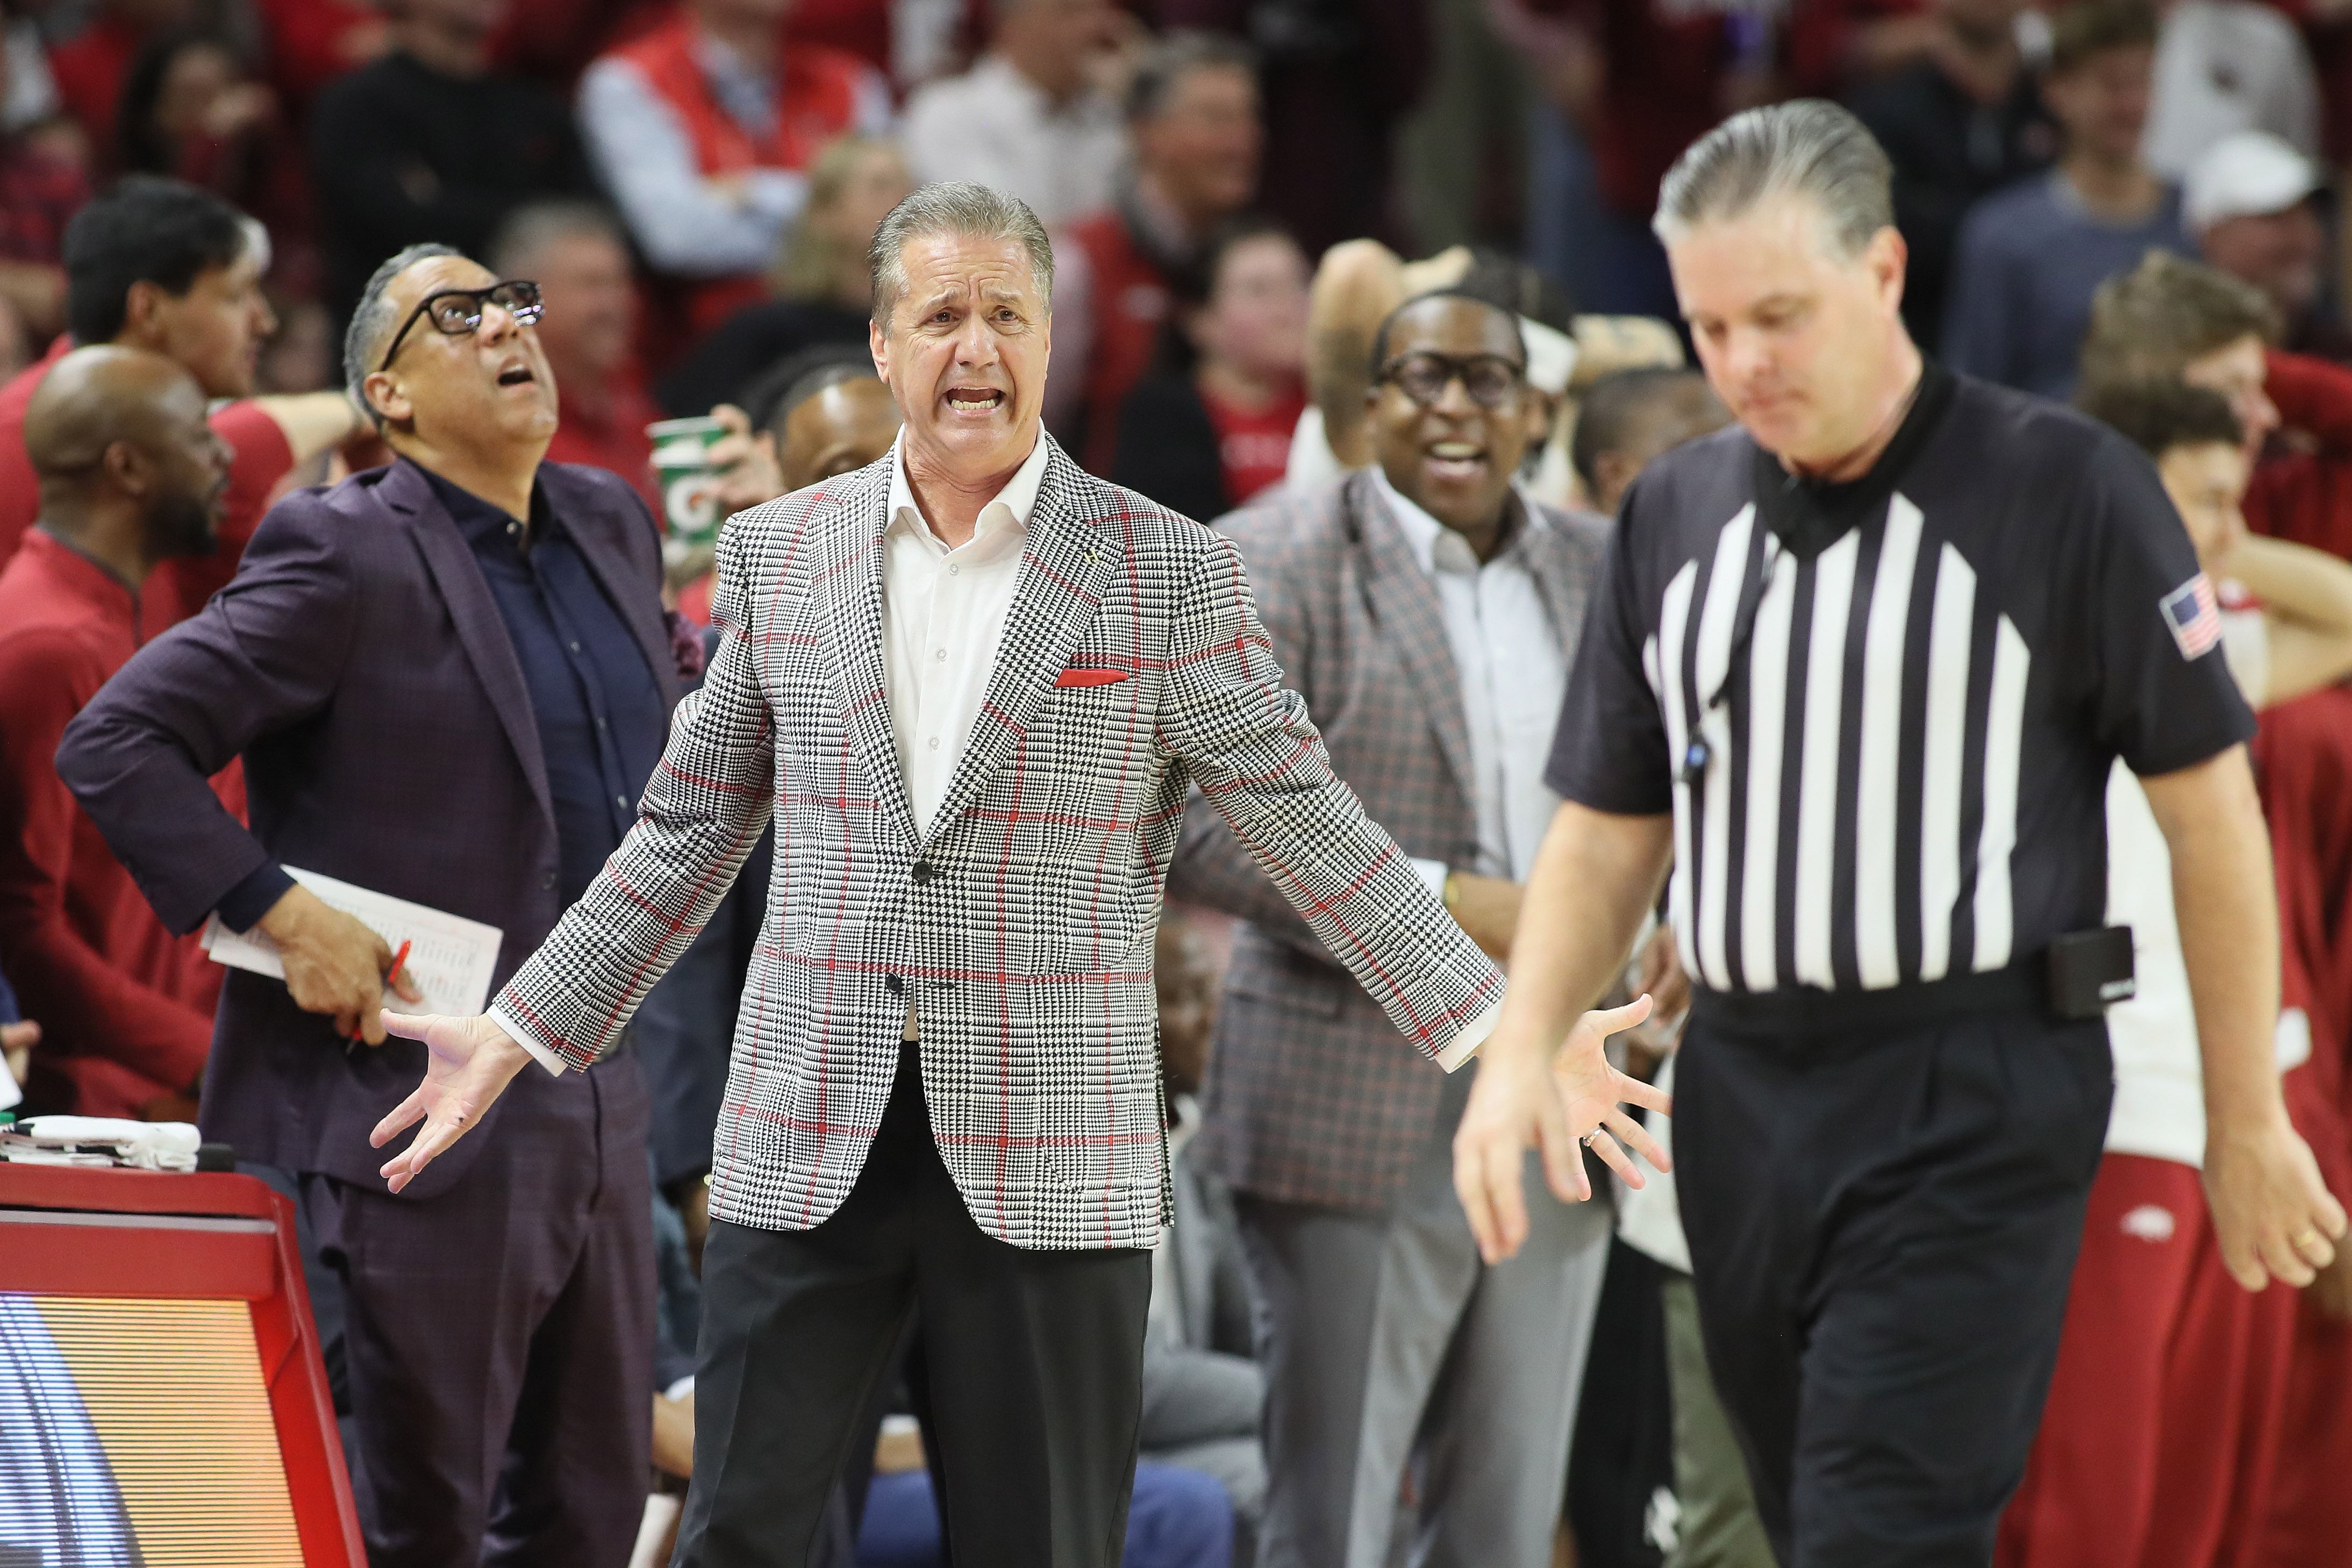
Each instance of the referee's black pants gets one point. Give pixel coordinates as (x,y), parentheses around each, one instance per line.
(1883,1222)
(1035,1369)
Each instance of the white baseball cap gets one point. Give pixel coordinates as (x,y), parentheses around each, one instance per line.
(2247,173)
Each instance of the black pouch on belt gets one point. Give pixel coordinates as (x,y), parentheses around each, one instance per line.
(2090,971)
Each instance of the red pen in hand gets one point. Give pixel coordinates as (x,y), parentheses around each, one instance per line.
(392,976)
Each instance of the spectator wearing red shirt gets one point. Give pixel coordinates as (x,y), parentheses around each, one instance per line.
(2175,318)
(574,252)
(130,476)
(40,191)
(91,66)
(1192,111)
(161,266)
(1213,430)
(704,130)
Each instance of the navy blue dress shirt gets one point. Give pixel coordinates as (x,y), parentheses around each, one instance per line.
(598,707)
(600,715)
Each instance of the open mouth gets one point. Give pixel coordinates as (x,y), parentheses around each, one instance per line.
(1455,460)
(975,400)
(516,376)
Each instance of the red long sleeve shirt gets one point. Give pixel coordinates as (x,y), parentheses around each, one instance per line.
(85,951)
(2305,494)
(177,589)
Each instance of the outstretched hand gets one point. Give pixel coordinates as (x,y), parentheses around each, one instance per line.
(1522,1099)
(469,1063)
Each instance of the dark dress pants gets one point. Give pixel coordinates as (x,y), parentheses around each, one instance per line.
(1033,1362)
(498,1337)
(1883,1223)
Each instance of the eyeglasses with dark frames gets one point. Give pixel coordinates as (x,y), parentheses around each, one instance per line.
(457,312)
(1491,380)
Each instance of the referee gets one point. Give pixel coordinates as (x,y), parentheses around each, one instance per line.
(1858,669)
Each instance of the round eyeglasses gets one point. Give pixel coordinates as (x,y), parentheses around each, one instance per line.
(1491,380)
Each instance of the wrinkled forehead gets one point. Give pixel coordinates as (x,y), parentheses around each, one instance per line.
(433,275)
(957,266)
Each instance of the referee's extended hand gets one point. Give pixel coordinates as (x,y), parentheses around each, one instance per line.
(469,1063)
(2272,1214)
(1525,1097)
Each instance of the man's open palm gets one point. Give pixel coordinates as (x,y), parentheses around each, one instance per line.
(469,1063)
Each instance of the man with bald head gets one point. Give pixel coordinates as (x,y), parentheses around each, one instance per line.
(449,680)
(130,476)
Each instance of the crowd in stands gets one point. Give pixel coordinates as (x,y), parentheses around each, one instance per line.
(2134,206)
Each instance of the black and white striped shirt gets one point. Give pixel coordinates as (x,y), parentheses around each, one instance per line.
(1882,713)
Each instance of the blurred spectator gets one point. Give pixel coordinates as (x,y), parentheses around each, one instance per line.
(189,108)
(704,130)
(28,90)
(1638,80)
(1835,46)
(2224,66)
(91,65)
(311,43)
(2252,201)
(2031,258)
(429,143)
(575,253)
(1030,118)
(18,1035)
(1213,428)
(40,191)
(1961,121)
(130,478)
(159,264)
(2170,318)
(1462,154)
(1631,418)
(1192,112)
(824,293)
(1339,76)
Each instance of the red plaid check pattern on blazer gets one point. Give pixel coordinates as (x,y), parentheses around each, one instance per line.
(1022,927)
(1312,1097)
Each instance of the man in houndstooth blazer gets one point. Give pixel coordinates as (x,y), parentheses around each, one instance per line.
(1429,614)
(945,1090)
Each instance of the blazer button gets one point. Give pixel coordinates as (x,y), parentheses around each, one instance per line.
(893,985)
(925,870)
(547,881)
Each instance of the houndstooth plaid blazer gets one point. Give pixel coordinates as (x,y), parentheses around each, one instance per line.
(1310,1096)
(1022,926)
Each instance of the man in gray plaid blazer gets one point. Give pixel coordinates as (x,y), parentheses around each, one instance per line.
(973,686)
(1429,615)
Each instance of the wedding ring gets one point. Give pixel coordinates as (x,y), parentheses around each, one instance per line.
(2308,1236)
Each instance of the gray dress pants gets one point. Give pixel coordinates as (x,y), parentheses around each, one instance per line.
(1388,1344)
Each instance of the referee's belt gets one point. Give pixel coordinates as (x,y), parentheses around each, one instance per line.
(2071,981)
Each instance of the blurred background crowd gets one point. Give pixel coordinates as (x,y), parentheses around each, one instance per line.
(2098,199)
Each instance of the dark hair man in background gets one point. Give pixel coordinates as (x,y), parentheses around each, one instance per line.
(449,680)
(1193,115)
(158,265)
(132,476)
(1631,418)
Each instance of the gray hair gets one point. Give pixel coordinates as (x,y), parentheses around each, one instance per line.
(533,229)
(961,208)
(372,322)
(1176,56)
(1808,147)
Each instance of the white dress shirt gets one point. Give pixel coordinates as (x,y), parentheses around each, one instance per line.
(994,127)
(1513,675)
(943,614)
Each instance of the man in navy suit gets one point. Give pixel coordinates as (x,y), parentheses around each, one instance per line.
(449,680)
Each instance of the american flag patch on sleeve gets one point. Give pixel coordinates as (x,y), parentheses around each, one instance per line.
(2194,615)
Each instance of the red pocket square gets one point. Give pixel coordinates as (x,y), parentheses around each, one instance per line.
(1090,677)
